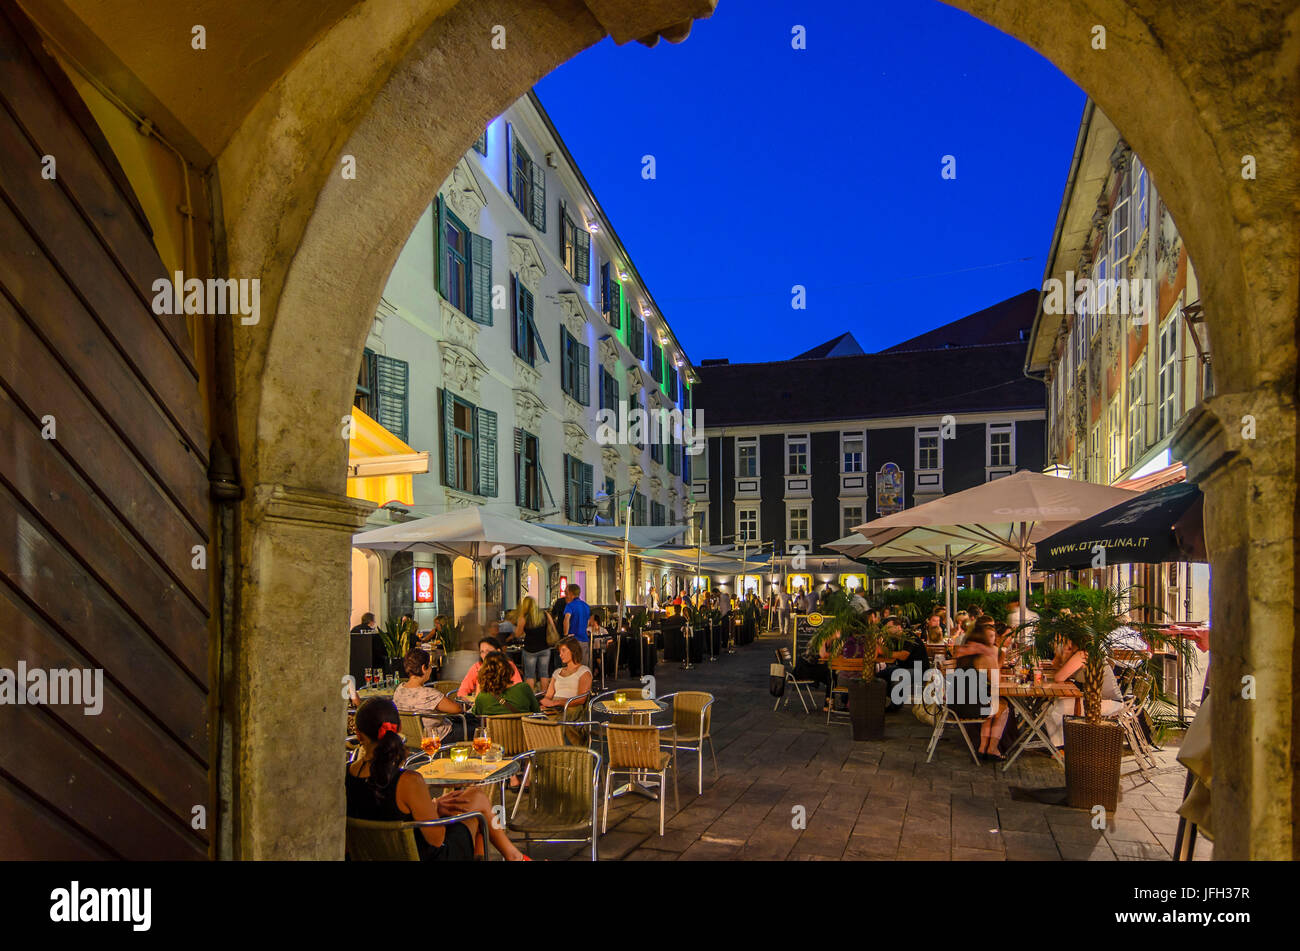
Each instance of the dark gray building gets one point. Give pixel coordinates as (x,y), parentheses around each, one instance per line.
(801,450)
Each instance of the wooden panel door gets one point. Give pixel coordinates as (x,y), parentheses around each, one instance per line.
(103,497)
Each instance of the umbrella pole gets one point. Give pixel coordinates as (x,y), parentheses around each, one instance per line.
(1024,573)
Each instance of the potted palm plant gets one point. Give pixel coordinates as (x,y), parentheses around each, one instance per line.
(1096,623)
(397,637)
(845,633)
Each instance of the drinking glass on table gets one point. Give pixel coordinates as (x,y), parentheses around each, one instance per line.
(370,676)
(482,742)
(431,745)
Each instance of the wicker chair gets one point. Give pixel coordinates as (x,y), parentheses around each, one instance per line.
(507,732)
(370,841)
(561,798)
(840,665)
(637,750)
(692,718)
(802,688)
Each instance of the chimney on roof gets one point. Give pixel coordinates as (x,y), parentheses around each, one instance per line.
(715,362)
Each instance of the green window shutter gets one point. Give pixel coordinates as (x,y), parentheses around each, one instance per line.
(587,493)
(532,326)
(539,196)
(521,491)
(584,255)
(480,292)
(480,144)
(584,374)
(448,415)
(565,375)
(619,308)
(439,246)
(563,229)
(390,388)
(485,439)
(567,510)
(604,388)
(510,159)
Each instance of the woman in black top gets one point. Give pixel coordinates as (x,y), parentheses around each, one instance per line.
(537,626)
(379,789)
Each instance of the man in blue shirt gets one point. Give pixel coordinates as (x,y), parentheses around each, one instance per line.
(576,615)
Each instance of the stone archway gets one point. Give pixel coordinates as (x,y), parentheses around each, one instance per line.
(405,98)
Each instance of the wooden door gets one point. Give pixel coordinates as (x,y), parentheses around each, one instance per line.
(103,496)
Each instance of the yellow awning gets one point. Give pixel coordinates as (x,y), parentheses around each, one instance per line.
(380,465)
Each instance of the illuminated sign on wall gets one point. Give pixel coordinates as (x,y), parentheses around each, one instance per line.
(423,585)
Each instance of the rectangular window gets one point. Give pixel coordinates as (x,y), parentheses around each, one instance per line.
(480,144)
(611,293)
(523,337)
(464,267)
(1167,406)
(1139,197)
(1120,233)
(1137,391)
(747,458)
(746,525)
(853,450)
(928,453)
(796,455)
(382,391)
(853,515)
(672,382)
(673,451)
(469,435)
(635,333)
(1093,463)
(1000,451)
(657,362)
(656,513)
(528,468)
(657,452)
(577,488)
(1114,441)
(638,509)
(798,527)
(608,390)
(575,247)
(575,367)
(527,181)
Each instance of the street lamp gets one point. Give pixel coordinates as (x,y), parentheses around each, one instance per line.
(587,510)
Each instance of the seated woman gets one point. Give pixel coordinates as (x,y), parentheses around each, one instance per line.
(486,645)
(573,679)
(497,696)
(981,653)
(414,697)
(1069,665)
(378,789)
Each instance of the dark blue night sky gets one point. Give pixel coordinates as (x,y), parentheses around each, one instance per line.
(821,167)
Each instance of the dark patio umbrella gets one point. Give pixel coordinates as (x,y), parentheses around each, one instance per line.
(1161,525)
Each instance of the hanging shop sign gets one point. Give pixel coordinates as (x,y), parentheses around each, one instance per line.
(889,489)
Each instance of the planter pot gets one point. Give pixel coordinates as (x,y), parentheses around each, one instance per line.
(457,664)
(867,708)
(1092,758)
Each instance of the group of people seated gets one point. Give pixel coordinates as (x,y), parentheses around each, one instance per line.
(974,642)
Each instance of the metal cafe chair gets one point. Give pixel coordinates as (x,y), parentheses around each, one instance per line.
(692,718)
(637,751)
(371,841)
(543,732)
(561,798)
(448,689)
(947,715)
(802,688)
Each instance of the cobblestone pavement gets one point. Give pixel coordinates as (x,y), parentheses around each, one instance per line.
(864,801)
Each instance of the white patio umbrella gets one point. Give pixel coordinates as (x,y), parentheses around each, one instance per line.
(1004,517)
(474,534)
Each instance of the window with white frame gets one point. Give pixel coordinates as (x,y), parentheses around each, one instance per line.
(796,455)
(797,524)
(852,451)
(1001,445)
(746,525)
(1093,462)
(929,450)
(1114,441)
(1167,382)
(1080,332)
(1121,235)
(1137,392)
(851,514)
(1100,291)
(747,457)
(1139,177)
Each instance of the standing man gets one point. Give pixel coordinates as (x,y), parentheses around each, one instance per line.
(576,616)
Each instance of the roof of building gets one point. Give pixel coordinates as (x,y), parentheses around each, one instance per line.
(1007,321)
(845,345)
(870,386)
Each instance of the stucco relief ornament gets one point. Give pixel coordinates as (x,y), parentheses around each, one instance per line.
(636,378)
(462,191)
(1169,246)
(457,328)
(610,457)
(575,316)
(526,261)
(635,473)
(609,354)
(461,369)
(528,410)
(575,439)
(530,378)
(656,485)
